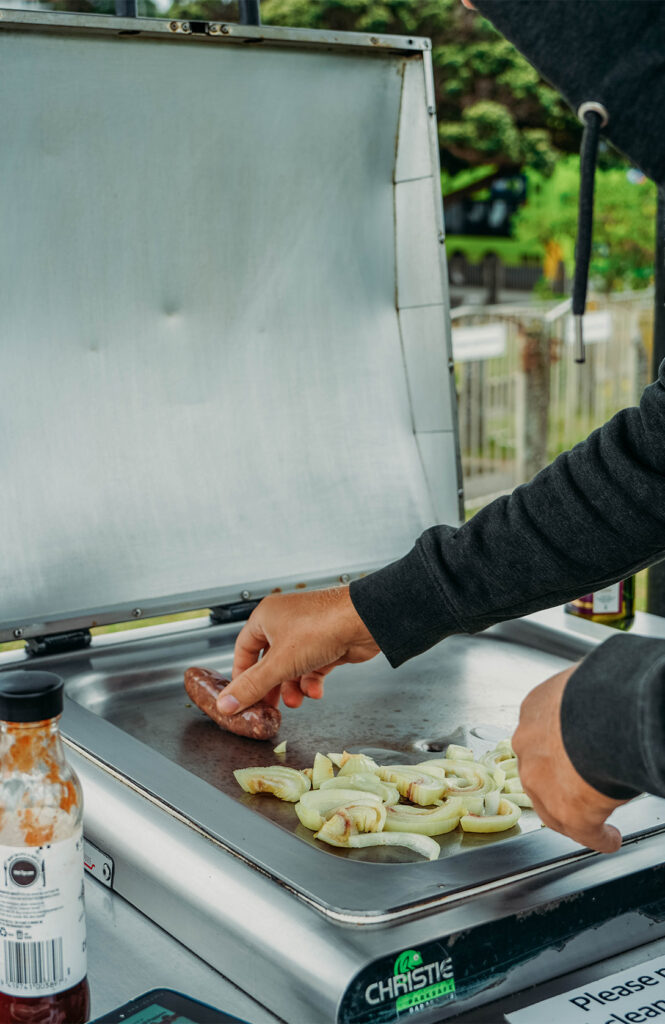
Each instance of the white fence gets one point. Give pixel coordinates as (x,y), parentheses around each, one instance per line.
(523,398)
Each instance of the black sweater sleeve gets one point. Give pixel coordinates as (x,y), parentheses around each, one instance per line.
(613,717)
(592,517)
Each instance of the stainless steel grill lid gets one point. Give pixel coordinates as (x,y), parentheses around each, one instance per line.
(223,335)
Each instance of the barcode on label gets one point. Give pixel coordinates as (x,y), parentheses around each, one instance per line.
(34,964)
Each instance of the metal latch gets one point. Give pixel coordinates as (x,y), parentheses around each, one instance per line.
(58,643)
(99,864)
(237,612)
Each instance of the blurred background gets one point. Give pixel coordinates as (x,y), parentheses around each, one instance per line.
(510,178)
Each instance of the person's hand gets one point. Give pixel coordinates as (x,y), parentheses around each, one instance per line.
(302,637)
(560,796)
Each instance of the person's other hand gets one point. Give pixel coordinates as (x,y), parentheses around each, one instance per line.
(560,796)
(302,637)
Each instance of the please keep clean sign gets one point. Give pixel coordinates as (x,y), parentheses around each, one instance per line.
(633,996)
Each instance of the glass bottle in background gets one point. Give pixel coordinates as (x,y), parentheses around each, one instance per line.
(613,606)
(42,916)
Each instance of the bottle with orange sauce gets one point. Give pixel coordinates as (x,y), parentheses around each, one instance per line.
(42,916)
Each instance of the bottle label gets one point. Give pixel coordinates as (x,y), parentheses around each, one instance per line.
(608,600)
(42,918)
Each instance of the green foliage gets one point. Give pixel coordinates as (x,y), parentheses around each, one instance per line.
(492,106)
(624,222)
(475,248)
(146,8)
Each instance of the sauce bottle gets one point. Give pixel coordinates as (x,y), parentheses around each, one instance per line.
(613,605)
(42,917)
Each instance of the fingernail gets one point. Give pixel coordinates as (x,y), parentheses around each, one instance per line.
(228,705)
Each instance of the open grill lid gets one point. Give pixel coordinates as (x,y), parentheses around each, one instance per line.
(225,354)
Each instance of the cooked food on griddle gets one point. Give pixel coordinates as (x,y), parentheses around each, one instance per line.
(361,805)
(260,722)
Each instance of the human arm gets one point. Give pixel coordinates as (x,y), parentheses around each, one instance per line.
(593,516)
(590,518)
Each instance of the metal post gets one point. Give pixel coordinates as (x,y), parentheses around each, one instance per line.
(248,11)
(533,398)
(125,8)
(656,574)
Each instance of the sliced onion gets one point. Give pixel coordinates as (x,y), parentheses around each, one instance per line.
(473,803)
(514,785)
(491,802)
(318,804)
(502,757)
(366,782)
(457,753)
(423,845)
(284,783)
(322,770)
(413,783)
(280,748)
(427,821)
(462,777)
(509,767)
(337,759)
(507,815)
(352,819)
(521,799)
(354,763)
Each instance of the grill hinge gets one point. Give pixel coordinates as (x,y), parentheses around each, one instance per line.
(58,643)
(237,612)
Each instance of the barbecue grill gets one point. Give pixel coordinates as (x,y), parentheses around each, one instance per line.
(227,372)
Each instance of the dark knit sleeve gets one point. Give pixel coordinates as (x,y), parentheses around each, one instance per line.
(592,517)
(613,717)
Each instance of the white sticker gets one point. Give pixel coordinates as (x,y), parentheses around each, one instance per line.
(633,996)
(608,600)
(42,915)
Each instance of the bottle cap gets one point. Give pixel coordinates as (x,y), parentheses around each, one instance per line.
(27,696)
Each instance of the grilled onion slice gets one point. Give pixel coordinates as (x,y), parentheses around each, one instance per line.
(457,753)
(285,783)
(426,821)
(340,833)
(352,819)
(314,807)
(506,816)
(503,758)
(366,782)
(322,770)
(521,799)
(352,764)
(515,791)
(462,777)
(414,783)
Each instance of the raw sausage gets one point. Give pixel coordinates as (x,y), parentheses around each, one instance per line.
(260,722)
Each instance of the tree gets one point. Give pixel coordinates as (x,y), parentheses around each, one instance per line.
(492,106)
(624,222)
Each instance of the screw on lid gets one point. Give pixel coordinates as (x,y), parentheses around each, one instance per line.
(27,696)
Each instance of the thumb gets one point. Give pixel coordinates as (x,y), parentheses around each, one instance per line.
(608,839)
(250,686)
(603,838)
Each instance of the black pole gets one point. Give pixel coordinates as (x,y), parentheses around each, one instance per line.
(656,574)
(125,8)
(248,12)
